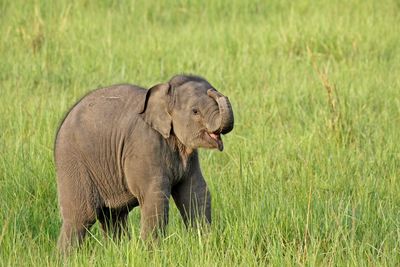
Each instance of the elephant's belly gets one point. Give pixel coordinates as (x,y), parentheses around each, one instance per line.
(113,191)
(124,199)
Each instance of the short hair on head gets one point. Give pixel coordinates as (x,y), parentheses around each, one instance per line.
(181,79)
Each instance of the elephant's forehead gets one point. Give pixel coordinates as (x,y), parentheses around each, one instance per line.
(194,88)
(197,96)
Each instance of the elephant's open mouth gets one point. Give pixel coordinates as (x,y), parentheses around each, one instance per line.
(216,139)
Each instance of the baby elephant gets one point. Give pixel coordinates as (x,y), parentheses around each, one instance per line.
(124,146)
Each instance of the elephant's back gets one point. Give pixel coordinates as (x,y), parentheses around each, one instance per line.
(101,109)
(94,125)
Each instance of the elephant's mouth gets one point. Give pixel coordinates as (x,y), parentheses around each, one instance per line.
(216,140)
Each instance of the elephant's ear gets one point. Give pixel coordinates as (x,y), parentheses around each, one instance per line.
(156,109)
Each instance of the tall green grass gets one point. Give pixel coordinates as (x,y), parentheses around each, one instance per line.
(310,174)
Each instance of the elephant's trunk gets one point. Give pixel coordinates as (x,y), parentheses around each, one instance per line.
(225,111)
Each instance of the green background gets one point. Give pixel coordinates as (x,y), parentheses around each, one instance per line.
(310,173)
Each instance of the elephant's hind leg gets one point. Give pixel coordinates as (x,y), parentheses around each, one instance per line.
(78,203)
(72,235)
(76,223)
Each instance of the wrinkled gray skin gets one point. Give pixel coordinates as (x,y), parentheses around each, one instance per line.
(123,146)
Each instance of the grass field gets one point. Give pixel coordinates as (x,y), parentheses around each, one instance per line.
(310,174)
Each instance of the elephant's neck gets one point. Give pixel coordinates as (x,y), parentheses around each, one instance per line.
(184,151)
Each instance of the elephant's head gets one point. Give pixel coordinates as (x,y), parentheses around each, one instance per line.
(190,109)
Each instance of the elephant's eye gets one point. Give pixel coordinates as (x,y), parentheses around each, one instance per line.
(195,111)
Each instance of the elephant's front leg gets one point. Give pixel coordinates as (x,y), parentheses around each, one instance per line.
(193,200)
(154,209)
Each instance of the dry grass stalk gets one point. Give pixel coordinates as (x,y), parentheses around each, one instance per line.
(333,100)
